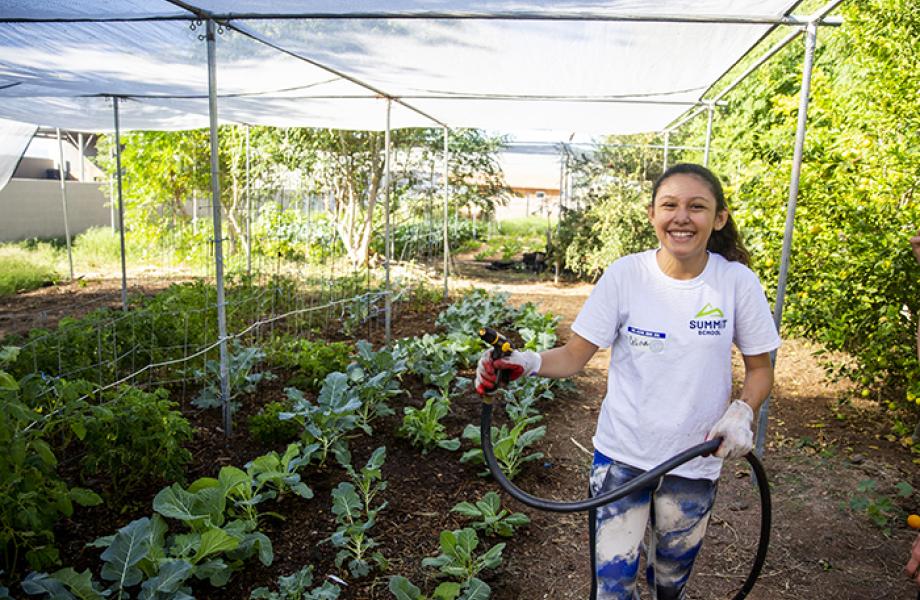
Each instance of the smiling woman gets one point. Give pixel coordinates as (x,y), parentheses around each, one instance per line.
(670,316)
(690,216)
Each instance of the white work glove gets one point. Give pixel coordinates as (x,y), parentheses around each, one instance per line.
(735,430)
(518,363)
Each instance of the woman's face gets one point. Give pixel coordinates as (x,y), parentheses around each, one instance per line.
(684,215)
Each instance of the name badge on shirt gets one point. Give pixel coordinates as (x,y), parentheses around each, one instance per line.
(645,340)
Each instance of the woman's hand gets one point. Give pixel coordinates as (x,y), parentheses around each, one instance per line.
(735,430)
(518,363)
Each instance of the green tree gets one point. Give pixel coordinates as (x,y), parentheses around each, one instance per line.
(853,284)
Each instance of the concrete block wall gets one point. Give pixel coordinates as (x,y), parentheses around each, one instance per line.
(32,208)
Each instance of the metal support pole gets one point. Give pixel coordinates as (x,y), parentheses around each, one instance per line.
(121,207)
(811,37)
(667,146)
(112,193)
(218,242)
(248,210)
(388,314)
(710,109)
(62,173)
(82,157)
(446,209)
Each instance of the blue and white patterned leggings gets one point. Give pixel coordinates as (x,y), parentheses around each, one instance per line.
(678,512)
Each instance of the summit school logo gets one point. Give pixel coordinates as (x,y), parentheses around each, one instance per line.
(709,326)
(709,311)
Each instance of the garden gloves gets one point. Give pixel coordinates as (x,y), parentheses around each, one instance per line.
(735,430)
(517,364)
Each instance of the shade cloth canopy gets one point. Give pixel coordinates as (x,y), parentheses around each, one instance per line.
(560,65)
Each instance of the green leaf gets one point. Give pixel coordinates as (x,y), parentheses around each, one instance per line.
(216,571)
(85,497)
(232,477)
(78,428)
(127,549)
(452,444)
(172,574)
(175,503)
(467,510)
(7,383)
(203,483)
(447,590)
(44,452)
(403,589)
(467,540)
(904,489)
(42,583)
(476,589)
(214,541)
(493,557)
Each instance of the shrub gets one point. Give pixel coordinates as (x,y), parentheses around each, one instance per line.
(134,438)
(311,360)
(268,428)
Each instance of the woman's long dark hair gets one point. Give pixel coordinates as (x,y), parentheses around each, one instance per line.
(725,241)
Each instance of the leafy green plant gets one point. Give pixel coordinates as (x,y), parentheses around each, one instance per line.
(330,420)
(32,495)
(423,427)
(490,517)
(475,589)
(477,308)
(878,507)
(296,587)
(133,438)
(538,330)
(458,561)
(359,311)
(458,557)
(352,507)
(267,427)
(221,533)
(311,360)
(510,445)
(241,378)
(375,377)
(429,357)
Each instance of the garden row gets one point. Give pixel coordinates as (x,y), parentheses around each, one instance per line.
(199,535)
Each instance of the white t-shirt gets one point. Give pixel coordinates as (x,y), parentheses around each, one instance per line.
(670,374)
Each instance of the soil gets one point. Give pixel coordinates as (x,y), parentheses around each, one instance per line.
(822,443)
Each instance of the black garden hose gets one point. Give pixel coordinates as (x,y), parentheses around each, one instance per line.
(640,482)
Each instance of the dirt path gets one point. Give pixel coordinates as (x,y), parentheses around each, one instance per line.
(816,461)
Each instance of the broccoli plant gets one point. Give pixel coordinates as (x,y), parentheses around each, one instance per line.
(296,587)
(510,445)
(330,420)
(458,557)
(352,506)
(490,517)
(423,427)
(457,561)
(242,380)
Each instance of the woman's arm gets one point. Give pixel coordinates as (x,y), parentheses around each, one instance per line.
(758,379)
(567,360)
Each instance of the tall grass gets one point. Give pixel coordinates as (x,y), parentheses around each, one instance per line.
(511,238)
(99,248)
(24,269)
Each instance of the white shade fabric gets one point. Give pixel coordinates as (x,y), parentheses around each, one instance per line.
(14,139)
(542,71)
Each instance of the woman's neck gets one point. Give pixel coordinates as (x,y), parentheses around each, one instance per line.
(680,269)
